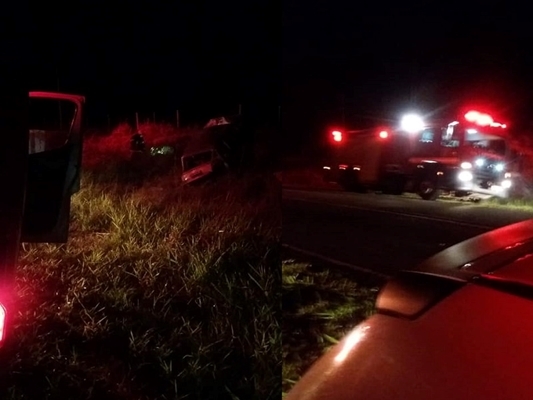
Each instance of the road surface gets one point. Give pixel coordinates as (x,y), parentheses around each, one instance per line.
(381,234)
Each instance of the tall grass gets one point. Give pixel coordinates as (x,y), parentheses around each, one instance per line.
(162,292)
(320,306)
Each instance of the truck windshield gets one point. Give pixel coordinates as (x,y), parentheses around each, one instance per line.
(434,142)
(196,160)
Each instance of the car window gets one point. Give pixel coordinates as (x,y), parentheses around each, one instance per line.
(428,143)
(196,160)
(50,123)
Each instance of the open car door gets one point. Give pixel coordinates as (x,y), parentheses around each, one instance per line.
(54,165)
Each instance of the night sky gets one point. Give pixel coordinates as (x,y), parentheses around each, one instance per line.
(203,58)
(312,58)
(382,62)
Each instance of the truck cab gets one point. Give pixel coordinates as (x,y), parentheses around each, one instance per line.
(463,157)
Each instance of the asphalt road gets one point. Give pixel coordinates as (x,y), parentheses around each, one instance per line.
(381,234)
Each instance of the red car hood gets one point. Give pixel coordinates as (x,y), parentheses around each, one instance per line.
(476,344)
(457,327)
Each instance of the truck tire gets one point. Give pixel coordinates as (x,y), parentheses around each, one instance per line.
(428,190)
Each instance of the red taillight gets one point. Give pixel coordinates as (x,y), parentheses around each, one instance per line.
(2,321)
(384,134)
(337,136)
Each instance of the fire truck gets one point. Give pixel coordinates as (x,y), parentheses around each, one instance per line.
(468,155)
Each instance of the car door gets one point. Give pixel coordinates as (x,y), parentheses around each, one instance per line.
(54,165)
(40,160)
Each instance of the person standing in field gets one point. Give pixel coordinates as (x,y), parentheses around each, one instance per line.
(137,142)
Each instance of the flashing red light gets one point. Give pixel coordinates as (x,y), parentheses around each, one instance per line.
(480,118)
(472,116)
(384,134)
(484,120)
(337,136)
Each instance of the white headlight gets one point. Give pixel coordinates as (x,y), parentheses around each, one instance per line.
(466,165)
(412,123)
(507,183)
(480,162)
(499,167)
(465,176)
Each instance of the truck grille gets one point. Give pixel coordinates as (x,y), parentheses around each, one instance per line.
(487,172)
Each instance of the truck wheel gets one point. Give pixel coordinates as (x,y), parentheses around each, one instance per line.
(428,190)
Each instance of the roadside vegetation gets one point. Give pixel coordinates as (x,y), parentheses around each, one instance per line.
(319,306)
(523,204)
(109,154)
(162,292)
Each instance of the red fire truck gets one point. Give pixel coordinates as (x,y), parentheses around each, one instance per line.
(467,155)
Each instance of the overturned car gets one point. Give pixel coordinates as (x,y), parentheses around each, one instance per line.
(220,147)
(197,165)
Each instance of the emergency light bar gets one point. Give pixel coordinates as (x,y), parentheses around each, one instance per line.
(482,119)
